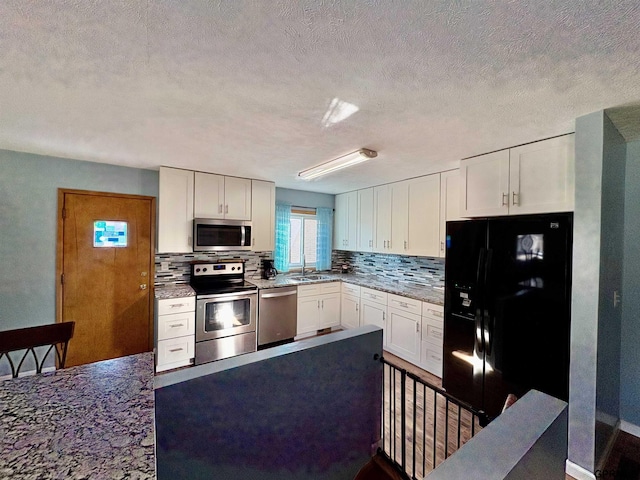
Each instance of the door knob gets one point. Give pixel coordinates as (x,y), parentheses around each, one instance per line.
(143,286)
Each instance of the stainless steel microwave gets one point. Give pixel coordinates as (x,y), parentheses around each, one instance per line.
(213,235)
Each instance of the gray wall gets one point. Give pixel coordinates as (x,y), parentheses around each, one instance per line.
(28,222)
(598,253)
(528,441)
(310,410)
(630,345)
(585,298)
(611,267)
(299,198)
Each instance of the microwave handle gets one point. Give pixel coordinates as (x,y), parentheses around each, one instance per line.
(243,241)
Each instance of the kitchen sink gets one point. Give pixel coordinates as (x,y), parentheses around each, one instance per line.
(309,278)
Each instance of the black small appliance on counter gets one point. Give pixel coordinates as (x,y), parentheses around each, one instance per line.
(269,272)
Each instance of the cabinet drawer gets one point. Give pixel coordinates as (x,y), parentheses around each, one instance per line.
(176,325)
(373,295)
(349,289)
(431,358)
(308,290)
(432,310)
(330,287)
(432,330)
(176,305)
(405,304)
(175,349)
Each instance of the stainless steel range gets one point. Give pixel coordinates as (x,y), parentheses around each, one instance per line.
(226,308)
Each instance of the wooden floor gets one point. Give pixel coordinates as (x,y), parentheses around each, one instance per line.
(426,415)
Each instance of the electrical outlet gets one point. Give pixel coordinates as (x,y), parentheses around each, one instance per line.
(616,299)
(164,266)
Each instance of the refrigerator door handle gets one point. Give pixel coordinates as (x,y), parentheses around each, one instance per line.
(487,328)
(479,317)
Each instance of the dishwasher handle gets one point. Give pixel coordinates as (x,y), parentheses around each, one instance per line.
(274,295)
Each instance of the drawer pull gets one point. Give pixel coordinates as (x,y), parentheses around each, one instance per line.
(436,334)
(173,350)
(177,305)
(404,304)
(177,325)
(435,313)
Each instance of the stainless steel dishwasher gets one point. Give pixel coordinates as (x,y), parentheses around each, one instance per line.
(277,315)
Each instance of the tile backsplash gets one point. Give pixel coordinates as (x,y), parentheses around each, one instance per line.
(178,264)
(422,270)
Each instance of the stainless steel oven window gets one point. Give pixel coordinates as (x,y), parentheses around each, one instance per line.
(219,316)
(227,314)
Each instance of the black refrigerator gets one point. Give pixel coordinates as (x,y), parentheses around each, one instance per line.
(507,308)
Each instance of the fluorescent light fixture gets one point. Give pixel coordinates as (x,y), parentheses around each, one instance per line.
(338,111)
(347,160)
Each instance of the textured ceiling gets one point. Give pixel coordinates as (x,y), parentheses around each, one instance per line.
(241,87)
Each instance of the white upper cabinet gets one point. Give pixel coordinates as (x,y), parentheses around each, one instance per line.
(535,178)
(382,209)
(209,195)
(485,185)
(542,176)
(399,217)
(449,203)
(423,219)
(175,210)
(263,213)
(346,221)
(217,196)
(366,220)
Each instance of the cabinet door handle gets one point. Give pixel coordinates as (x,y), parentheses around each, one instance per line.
(505,199)
(323,304)
(226,209)
(175,325)
(318,304)
(175,350)
(404,304)
(177,305)
(384,317)
(220,208)
(405,244)
(357,307)
(514,199)
(417,327)
(371,243)
(442,246)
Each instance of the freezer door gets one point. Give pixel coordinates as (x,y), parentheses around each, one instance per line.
(527,315)
(463,345)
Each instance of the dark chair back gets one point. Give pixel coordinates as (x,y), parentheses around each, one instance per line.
(56,335)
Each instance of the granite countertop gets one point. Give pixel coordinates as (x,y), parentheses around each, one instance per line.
(426,293)
(173,291)
(92,421)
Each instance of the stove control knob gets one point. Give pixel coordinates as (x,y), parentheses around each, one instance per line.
(204,269)
(197,270)
(233,268)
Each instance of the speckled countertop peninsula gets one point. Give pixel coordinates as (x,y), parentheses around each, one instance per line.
(173,291)
(93,421)
(426,293)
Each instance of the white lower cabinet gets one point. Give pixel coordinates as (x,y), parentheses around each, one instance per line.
(175,332)
(318,307)
(373,310)
(432,338)
(350,306)
(403,328)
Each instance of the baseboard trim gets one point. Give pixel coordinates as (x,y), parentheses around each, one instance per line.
(630,428)
(577,472)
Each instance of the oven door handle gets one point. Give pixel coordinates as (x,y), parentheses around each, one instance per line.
(274,295)
(226,296)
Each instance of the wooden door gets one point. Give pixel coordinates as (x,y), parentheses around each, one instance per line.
(105,284)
